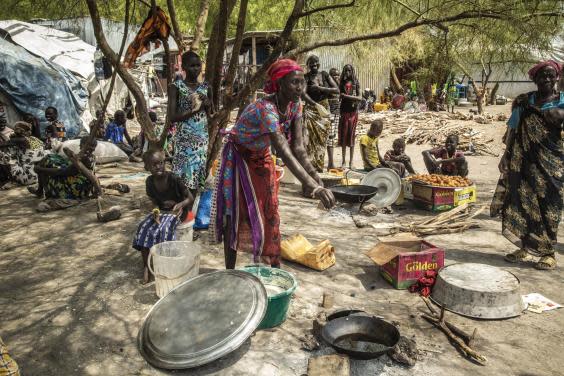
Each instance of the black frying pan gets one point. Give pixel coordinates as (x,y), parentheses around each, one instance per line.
(354,194)
(360,336)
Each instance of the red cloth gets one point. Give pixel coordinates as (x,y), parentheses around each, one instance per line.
(155,28)
(398,101)
(424,284)
(262,174)
(276,71)
(541,64)
(347,128)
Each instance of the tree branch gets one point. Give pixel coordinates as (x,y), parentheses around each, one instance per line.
(234,61)
(221,118)
(127,78)
(175,27)
(200,24)
(328,7)
(120,54)
(399,30)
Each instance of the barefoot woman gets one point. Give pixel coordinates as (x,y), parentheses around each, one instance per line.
(247,195)
(530,193)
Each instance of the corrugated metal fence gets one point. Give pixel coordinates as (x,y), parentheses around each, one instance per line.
(370,60)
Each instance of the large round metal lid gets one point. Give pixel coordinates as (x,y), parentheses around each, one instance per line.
(202,319)
(388,184)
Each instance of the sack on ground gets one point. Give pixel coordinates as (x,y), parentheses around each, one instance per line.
(105,152)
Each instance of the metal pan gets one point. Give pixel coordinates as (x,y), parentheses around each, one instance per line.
(478,291)
(354,194)
(360,336)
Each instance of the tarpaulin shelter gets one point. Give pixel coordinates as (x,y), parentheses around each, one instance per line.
(71,58)
(31,84)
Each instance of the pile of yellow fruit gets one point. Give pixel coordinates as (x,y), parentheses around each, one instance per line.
(441,180)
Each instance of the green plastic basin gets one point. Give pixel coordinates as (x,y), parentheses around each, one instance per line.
(280,286)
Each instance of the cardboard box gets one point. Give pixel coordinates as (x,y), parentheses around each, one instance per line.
(441,198)
(403,261)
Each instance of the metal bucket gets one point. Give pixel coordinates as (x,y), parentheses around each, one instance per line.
(478,291)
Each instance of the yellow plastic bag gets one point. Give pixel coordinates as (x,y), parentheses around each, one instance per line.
(299,249)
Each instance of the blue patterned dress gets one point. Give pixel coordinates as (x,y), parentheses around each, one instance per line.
(191,139)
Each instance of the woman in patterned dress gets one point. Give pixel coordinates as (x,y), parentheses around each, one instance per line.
(190,105)
(246,191)
(60,179)
(530,192)
(19,154)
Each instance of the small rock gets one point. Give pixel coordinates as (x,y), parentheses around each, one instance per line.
(309,342)
(405,352)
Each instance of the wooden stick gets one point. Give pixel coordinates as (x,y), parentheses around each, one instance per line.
(465,349)
(464,344)
(84,170)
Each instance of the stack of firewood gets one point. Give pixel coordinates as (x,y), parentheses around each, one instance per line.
(456,220)
(432,128)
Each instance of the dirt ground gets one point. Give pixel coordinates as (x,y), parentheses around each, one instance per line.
(71,302)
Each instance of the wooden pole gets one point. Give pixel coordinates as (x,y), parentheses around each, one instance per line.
(254,57)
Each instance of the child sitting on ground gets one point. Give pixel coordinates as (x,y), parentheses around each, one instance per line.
(170,195)
(451,161)
(55,130)
(397,154)
(370,152)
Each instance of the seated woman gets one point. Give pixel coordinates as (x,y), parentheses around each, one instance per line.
(397,154)
(170,195)
(59,178)
(451,161)
(18,154)
(371,153)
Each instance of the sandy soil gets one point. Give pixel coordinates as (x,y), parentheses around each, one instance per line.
(71,302)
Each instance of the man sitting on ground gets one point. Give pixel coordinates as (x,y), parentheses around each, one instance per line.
(116,131)
(450,160)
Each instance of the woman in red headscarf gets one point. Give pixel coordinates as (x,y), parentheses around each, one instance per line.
(246,194)
(529,194)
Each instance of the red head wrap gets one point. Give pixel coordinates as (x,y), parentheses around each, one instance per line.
(549,63)
(276,71)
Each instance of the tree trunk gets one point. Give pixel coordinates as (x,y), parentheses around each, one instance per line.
(120,54)
(222,117)
(480,102)
(493,93)
(127,78)
(216,48)
(178,37)
(234,61)
(395,81)
(200,24)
